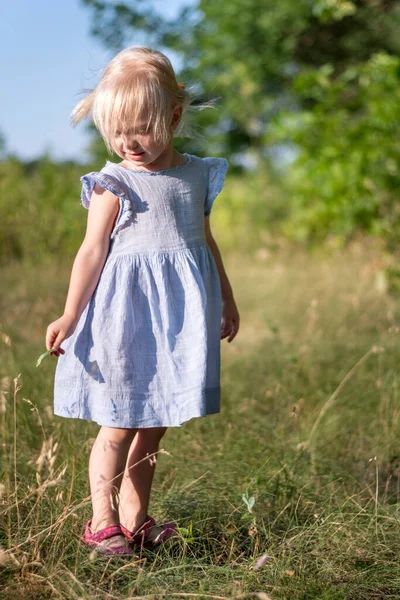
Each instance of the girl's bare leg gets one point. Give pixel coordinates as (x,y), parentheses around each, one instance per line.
(107,460)
(136,483)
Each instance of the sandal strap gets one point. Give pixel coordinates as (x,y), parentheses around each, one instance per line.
(140,534)
(103,534)
(169,530)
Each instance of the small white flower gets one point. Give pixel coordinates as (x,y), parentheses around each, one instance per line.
(261,561)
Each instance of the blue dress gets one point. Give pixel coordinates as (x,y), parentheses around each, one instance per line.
(146,349)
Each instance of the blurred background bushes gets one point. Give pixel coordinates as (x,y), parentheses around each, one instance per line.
(40,215)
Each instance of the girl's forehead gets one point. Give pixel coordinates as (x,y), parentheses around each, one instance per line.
(130,129)
(134,121)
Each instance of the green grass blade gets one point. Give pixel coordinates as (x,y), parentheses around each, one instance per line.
(42,356)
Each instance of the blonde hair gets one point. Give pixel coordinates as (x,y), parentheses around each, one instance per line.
(138,81)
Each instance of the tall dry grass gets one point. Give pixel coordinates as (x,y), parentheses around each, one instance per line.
(291,492)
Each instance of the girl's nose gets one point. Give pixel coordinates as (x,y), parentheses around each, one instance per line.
(130,143)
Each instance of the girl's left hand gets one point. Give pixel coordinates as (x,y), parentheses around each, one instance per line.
(230,319)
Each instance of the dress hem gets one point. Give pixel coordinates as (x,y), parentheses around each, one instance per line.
(210,405)
(136,426)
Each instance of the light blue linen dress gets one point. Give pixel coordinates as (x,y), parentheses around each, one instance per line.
(146,349)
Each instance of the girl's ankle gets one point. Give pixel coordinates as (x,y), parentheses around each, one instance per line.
(96,526)
(135,523)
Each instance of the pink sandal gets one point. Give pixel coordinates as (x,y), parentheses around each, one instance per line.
(141,535)
(95,539)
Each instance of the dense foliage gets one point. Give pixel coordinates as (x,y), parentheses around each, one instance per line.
(39,204)
(347,175)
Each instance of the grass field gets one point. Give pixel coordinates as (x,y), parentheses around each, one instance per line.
(292,492)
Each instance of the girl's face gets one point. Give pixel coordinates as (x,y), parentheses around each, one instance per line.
(139,146)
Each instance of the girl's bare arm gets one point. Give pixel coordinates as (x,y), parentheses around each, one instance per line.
(88,264)
(230,314)
(89,261)
(226,288)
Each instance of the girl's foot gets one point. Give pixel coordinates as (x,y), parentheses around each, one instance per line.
(109,540)
(149,532)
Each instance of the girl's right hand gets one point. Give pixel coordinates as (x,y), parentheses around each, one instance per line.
(57,332)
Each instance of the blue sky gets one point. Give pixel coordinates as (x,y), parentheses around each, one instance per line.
(48,56)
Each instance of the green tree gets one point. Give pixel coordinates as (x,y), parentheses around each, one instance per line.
(248,53)
(347,174)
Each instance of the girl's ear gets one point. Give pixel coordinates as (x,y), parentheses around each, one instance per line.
(176,117)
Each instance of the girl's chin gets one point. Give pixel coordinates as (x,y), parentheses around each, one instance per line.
(135,157)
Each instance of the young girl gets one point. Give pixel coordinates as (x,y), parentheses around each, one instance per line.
(149,299)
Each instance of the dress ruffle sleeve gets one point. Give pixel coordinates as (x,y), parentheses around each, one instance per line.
(217,168)
(110,183)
